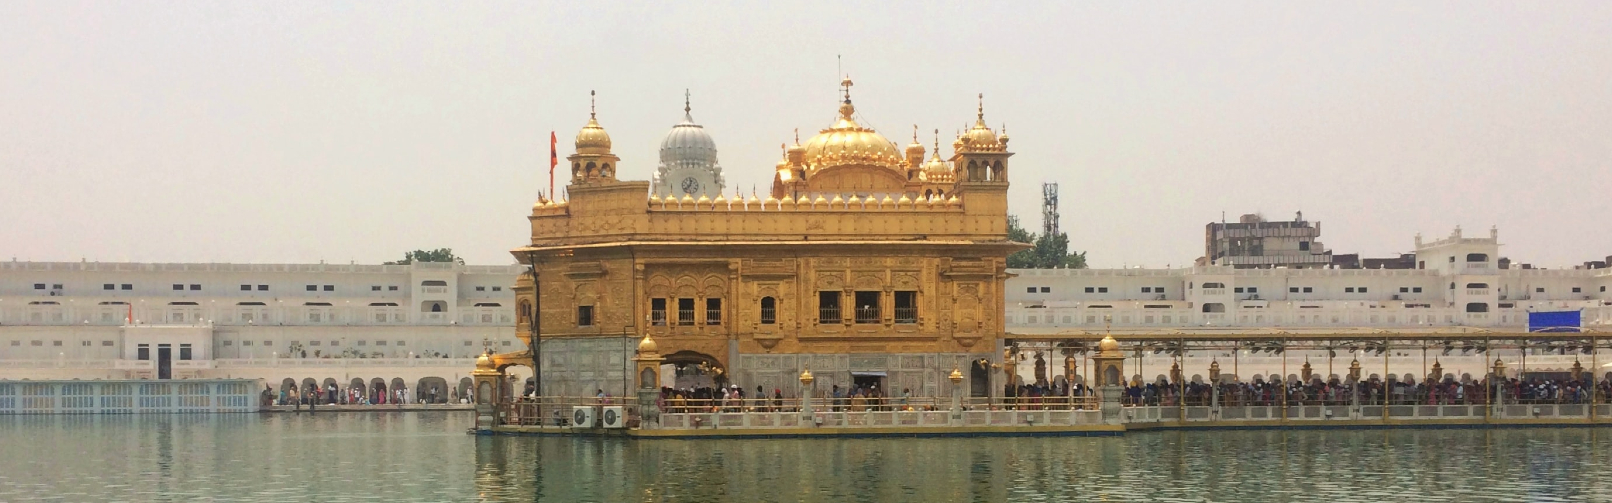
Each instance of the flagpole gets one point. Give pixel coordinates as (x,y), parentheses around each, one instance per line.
(554,160)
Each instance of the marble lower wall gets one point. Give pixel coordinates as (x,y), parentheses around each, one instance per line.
(923,373)
(583,366)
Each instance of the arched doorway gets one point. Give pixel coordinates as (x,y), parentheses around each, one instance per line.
(309,387)
(979,378)
(287,391)
(398,386)
(696,371)
(459,394)
(329,391)
(377,391)
(433,389)
(356,390)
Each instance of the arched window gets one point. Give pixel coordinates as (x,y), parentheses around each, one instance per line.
(646,379)
(769,311)
(588,171)
(436,308)
(604,170)
(1477,257)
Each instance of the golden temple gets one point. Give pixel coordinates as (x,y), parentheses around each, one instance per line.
(867,263)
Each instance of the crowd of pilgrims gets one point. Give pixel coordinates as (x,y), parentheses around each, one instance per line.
(330,394)
(732,398)
(1372,391)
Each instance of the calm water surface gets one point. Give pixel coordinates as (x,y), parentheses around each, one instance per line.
(405,457)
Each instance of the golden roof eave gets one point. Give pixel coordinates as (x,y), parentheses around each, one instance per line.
(923,242)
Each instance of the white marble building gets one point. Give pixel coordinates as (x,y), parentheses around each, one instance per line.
(347,323)
(1457,287)
(1457,284)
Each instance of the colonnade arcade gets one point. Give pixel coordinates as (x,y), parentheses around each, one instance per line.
(1168,364)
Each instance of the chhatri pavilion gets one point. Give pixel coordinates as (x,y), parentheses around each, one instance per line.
(867,263)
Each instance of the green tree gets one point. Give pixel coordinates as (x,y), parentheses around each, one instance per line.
(437,255)
(1048,252)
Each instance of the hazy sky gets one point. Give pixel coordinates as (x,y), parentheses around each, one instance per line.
(299,132)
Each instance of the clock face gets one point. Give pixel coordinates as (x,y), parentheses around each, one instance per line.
(690,185)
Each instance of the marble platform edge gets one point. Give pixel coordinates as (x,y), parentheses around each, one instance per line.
(1036,431)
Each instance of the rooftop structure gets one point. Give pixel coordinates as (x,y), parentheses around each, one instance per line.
(1253,242)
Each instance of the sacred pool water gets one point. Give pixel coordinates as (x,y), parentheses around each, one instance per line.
(427,457)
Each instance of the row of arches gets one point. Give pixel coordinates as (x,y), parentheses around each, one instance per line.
(375,391)
(591,170)
(987,172)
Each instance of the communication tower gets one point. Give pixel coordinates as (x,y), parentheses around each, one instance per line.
(1049,209)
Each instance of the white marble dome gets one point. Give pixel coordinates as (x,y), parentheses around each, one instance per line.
(687,145)
(688,163)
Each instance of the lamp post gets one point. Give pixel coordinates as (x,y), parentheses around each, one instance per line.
(1499,380)
(1354,388)
(806,379)
(956,378)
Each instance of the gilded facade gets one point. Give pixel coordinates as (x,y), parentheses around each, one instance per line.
(866,263)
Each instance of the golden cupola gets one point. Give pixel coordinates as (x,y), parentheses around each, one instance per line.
(981,138)
(915,150)
(847,143)
(937,170)
(593,161)
(593,139)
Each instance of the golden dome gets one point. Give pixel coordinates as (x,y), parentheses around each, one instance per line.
(483,362)
(648,345)
(1108,344)
(981,138)
(938,170)
(847,143)
(593,139)
(915,150)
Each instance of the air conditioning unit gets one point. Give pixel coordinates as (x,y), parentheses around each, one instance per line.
(613,417)
(582,416)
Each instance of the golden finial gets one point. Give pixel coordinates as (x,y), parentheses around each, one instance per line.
(797,136)
(937,142)
(845,84)
(982,107)
(915,133)
(593,105)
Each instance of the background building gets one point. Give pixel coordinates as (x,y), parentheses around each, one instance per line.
(1252,242)
(341,323)
(1457,282)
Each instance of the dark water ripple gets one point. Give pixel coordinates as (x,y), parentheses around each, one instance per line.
(407,457)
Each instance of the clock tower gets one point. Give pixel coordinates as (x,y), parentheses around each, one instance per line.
(688,164)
